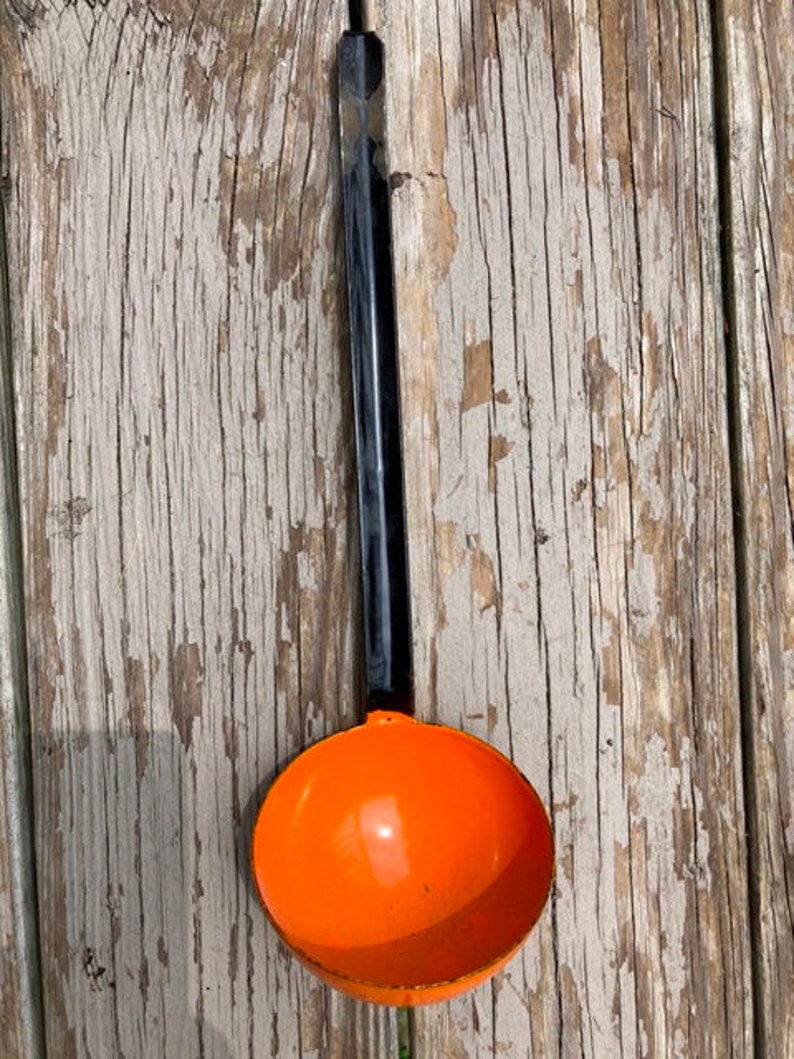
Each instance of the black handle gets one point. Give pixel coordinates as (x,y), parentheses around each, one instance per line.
(376,388)
(357,13)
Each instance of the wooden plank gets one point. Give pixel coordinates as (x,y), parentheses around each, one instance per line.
(758,41)
(21,1030)
(186,484)
(555,213)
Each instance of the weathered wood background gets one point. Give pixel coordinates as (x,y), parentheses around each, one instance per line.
(594,240)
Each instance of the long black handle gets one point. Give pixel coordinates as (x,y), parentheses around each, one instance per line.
(376,389)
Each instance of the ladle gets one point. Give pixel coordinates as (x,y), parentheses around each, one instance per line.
(402,862)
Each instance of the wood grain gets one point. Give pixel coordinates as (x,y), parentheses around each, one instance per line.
(185,470)
(759,147)
(21,1030)
(574,455)
(556,231)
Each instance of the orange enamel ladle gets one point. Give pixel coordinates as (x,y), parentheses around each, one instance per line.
(402,862)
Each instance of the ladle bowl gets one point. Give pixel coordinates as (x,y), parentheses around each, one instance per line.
(402,862)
